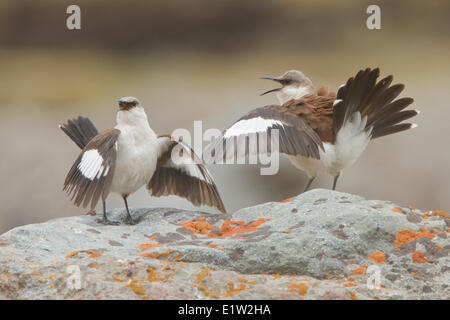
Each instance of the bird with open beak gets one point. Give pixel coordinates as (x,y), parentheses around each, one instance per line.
(294,85)
(321,131)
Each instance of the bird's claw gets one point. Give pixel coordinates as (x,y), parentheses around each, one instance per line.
(108,222)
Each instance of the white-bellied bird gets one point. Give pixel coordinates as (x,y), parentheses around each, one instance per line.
(129,156)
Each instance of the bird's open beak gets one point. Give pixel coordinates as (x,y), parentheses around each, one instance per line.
(273,90)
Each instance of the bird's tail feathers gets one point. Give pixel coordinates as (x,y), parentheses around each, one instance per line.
(80,130)
(375,102)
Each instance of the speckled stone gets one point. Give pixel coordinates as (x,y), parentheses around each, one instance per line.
(319,245)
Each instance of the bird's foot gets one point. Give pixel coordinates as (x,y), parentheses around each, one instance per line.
(108,222)
(130,221)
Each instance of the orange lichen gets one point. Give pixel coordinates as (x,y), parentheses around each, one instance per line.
(418,257)
(397,210)
(52,276)
(232,291)
(201,218)
(276,276)
(200,227)
(377,257)
(213,246)
(406,236)
(152,275)
(202,275)
(436,213)
(91,254)
(413,273)
(72,254)
(286,200)
(137,288)
(354,297)
(152,238)
(206,293)
(179,256)
(157,255)
(300,288)
(348,285)
(149,255)
(428,235)
(116,278)
(230,228)
(359,271)
(146,246)
(246,281)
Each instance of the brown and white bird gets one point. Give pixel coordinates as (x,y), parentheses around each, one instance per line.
(129,156)
(320,131)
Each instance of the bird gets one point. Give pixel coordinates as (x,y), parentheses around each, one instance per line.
(321,131)
(130,155)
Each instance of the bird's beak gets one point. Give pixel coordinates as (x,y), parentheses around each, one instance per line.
(273,90)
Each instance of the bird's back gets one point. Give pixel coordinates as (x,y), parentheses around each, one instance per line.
(317,111)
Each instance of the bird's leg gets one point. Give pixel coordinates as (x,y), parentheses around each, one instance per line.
(105,219)
(335,180)
(128,219)
(309,183)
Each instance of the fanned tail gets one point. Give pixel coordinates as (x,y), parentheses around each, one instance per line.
(374,100)
(80,130)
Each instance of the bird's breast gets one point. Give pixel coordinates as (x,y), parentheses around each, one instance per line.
(136,160)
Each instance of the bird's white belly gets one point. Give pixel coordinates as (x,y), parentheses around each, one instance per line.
(351,141)
(135,164)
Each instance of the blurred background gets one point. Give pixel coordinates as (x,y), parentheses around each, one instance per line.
(200,60)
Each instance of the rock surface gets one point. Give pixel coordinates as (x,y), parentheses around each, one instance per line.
(319,245)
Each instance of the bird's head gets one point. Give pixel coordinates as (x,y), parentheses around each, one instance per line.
(294,84)
(128,103)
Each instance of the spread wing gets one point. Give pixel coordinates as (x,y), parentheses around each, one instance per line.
(253,132)
(91,175)
(180,172)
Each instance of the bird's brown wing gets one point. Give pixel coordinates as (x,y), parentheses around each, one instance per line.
(91,175)
(252,134)
(180,172)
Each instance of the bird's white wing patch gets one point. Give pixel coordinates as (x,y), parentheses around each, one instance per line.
(184,162)
(250,126)
(91,164)
(336,102)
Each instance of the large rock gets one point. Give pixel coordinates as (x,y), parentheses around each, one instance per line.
(319,245)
